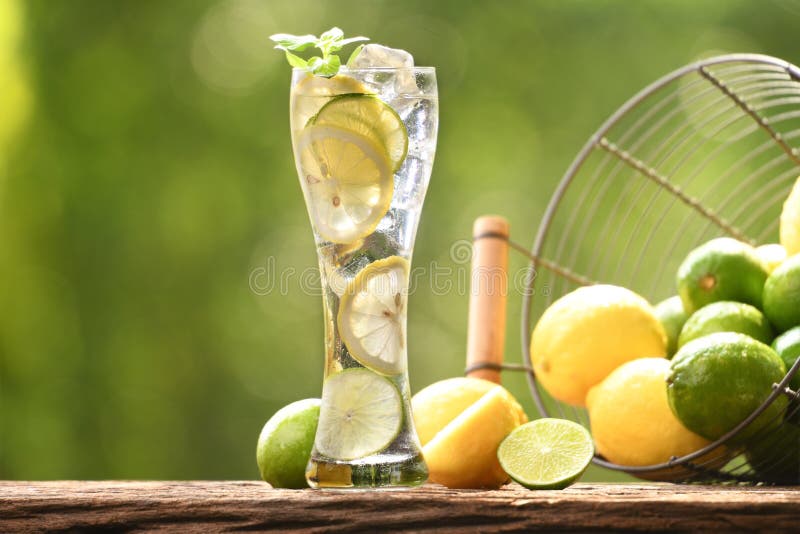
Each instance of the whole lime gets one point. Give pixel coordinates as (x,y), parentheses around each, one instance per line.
(672,316)
(787,345)
(721,269)
(285,443)
(716,381)
(782,295)
(727,316)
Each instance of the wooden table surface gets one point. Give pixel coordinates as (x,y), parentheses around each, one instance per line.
(224,506)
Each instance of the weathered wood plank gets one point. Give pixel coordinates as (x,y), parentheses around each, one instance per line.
(228,506)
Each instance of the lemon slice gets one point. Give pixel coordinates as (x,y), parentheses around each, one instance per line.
(313,92)
(360,415)
(372,315)
(371,117)
(347,181)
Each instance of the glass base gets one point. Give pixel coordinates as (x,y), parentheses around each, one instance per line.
(389,471)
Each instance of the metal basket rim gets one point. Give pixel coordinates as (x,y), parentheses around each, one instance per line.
(545,225)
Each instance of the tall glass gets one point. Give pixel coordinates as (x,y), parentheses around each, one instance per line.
(364,143)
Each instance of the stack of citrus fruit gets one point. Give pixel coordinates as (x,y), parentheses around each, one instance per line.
(666,381)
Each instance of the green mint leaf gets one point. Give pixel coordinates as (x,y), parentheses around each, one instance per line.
(329,42)
(345,42)
(296,61)
(332,35)
(354,55)
(286,41)
(328,66)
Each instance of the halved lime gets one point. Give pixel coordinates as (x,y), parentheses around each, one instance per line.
(360,415)
(313,92)
(347,181)
(546,453)
(372,315)
(371,117)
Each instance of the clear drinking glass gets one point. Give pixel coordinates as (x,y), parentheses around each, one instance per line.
(364,142)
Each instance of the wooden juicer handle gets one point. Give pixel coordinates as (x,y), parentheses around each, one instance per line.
(487,300)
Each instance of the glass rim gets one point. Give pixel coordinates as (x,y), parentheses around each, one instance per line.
(374,69)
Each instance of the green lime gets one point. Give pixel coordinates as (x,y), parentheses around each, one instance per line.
(775,456)
(546,453)
(284,445)
(787,345)
(727,316)
(782,295)
(672,316)
(371,117)
(361,414)
(722,269)
(716,381)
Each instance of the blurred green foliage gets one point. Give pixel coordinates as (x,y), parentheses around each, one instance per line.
(146,174)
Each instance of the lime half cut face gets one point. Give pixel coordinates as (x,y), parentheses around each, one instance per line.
(546,453)
(347,180)
(369,116)
(372,315)
(361,415)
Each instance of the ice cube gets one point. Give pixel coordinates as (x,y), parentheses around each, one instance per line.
(375,55)
(379,56)
(410,183)
(421,119)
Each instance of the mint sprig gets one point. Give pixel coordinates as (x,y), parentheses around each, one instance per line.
(329,42)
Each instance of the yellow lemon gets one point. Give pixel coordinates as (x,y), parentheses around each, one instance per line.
(790,221)
(587,334)
(771,255)
(461,422)
(632,423)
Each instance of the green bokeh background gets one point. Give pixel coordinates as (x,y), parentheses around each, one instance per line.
(146,176)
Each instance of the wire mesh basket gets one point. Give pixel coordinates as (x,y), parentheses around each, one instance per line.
(709,150)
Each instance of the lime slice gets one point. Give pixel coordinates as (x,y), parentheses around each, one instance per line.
(313,92)
(372,315)
(347,181)
(371,117)
(546,453)
(360,415)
